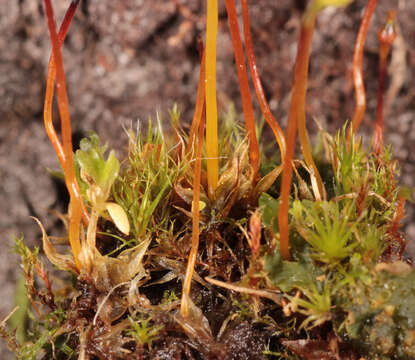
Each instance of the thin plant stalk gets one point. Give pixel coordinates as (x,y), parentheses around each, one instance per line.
(69,170)
(296,117)
(288,162)
(386,37)
(200,104)
(303,56)
(360,94)
(47,110)
(212,147)
(244,86)
(184,307)
(195,147)
(266,112)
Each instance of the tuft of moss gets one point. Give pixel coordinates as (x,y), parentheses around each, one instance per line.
(312,270)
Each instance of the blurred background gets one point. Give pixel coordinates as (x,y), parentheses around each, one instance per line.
(127,60)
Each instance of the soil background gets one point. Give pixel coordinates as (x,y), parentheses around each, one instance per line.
(127,60)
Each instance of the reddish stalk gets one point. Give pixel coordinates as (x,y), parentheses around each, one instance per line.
(300,65)
(386,37)
(47,110)
(303,56)
(195,147)
(296,117)
(244,86)
(200,103)
(359,85)
(69,171)
(184,307)
(266,112)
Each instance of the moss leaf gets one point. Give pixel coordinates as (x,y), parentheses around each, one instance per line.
(288,275)
(269,207)
(119,217)
(63,262)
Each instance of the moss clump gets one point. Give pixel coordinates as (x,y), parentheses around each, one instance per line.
(309,269)
(124,302)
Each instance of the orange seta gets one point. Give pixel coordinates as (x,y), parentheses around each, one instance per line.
(296,118)
(359,85)
(297,97)
(212,147)
(184,306)
(266,112)
(47,109)
(244,87)
(386,35)
(69,170)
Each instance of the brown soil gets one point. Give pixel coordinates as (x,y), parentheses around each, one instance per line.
(127,60)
